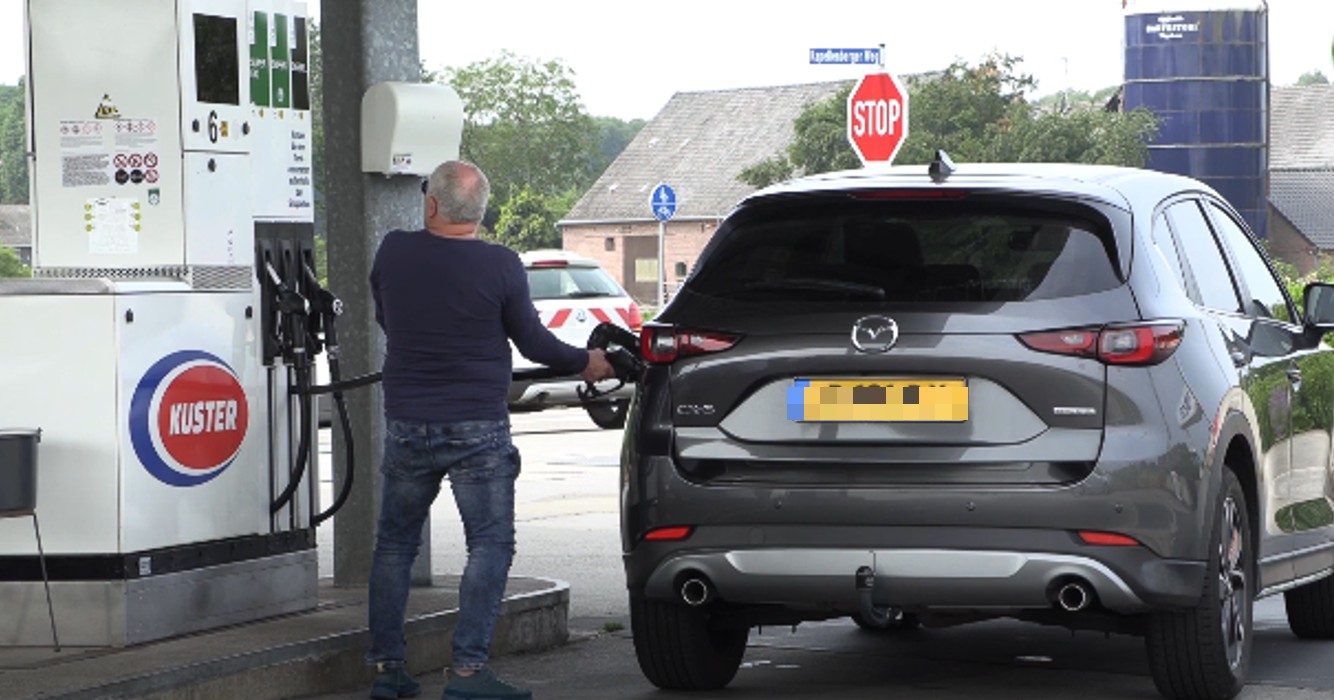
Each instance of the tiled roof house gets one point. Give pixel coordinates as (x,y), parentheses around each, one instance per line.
(697,144)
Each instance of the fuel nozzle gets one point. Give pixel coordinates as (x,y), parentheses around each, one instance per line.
(293,319)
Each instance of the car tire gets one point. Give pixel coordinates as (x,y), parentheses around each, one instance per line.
(1202,653)
(898,621)
(608,415)
(677,649)
(1311,609)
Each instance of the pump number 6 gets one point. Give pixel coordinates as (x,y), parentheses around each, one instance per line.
(213,127)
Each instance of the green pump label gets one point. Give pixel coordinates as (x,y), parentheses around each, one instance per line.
(259,59)
(280,63)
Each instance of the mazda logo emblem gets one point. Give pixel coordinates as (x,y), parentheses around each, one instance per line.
(874,334)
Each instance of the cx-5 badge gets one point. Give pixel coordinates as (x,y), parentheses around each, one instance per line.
(874,334)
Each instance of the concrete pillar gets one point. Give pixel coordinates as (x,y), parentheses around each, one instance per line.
(364,42)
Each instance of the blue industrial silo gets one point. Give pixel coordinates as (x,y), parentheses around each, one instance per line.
(1205,74)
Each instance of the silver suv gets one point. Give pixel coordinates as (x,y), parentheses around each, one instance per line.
(1075,395)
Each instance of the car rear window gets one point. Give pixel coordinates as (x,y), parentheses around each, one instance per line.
(571,282)
(902,251)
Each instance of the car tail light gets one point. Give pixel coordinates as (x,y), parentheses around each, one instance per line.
(1107,539)
(664,344)
(1131,345)
(668,534)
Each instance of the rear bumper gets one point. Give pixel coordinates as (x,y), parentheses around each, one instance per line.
(922,568)
(938,579)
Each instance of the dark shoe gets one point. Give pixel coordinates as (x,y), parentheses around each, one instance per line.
(482,685)
(394,683)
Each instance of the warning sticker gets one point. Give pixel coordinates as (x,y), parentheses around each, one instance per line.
(106,109)
(113,225)
(85,160)
(80,136)
(136,134)
(97,153)
(85,170)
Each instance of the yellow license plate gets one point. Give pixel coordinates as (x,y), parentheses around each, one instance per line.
(880,399)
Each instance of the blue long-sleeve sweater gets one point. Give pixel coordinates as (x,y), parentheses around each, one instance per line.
(447,307)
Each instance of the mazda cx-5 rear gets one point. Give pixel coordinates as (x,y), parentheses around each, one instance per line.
(913,400)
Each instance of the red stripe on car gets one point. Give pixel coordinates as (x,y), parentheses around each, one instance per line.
(559,319)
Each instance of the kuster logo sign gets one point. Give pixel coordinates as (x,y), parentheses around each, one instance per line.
(188,418)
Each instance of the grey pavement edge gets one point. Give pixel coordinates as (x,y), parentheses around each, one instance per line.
(306,653)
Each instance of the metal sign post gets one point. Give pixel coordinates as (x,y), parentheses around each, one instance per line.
(663,204)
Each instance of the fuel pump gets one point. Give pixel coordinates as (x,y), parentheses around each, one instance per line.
(166,345)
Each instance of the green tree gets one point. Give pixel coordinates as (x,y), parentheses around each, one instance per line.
(612,136)
(1067,100)
(1081,136)
(11,265)
(13,144)
(528,219)
(1314,77)
(315,66)
(525,126)
(964,108)
(975,113)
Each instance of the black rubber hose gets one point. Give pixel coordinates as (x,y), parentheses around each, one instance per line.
(336,387)
(345,423)
(303,445)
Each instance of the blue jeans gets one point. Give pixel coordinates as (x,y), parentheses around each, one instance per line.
(482,464)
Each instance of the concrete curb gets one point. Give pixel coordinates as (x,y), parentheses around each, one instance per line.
(528,622)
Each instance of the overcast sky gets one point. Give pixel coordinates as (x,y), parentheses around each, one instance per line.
(630,57)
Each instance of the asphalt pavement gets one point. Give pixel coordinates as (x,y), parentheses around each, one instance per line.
(998,660)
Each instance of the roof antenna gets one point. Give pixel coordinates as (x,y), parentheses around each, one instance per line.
(941,168)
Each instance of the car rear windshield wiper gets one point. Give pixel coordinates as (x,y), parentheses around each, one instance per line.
(808,284)
(586,295)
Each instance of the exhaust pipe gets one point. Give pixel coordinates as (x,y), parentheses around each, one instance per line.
(1073,596)
(696,591)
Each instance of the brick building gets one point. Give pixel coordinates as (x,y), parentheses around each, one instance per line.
(698,144)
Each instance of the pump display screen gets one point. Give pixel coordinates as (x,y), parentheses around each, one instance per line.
(217,60)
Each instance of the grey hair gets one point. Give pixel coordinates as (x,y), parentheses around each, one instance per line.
(462,190)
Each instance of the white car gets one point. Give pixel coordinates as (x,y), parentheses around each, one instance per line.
(573,294)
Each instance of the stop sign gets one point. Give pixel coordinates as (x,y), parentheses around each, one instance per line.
(877,118)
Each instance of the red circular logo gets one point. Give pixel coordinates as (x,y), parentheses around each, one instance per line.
(202,417)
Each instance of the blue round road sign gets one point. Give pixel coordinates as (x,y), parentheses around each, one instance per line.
(663,202)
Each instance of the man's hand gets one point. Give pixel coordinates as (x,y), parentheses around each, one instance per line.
(598,368)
